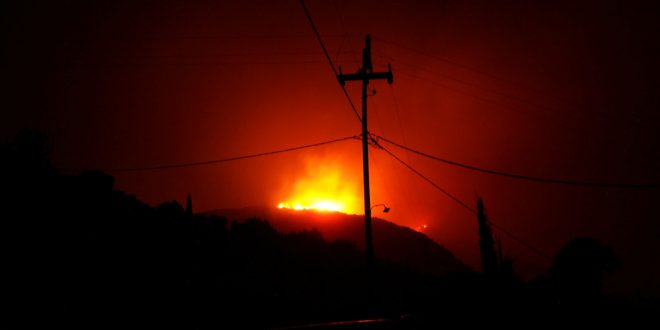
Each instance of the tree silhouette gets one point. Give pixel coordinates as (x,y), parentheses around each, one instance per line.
(189,206)
(486,242)
(578,269)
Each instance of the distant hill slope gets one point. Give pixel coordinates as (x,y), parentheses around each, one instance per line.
(392,243)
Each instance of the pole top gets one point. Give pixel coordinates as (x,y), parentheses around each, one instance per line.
(366,55)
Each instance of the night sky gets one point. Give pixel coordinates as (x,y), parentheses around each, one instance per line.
(561,90)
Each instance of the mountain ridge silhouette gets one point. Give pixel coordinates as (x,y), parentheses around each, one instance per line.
(393,243)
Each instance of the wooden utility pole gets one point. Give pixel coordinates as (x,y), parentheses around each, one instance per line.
(365,73)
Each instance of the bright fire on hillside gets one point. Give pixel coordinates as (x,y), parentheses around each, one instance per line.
(319,206)
(323,188)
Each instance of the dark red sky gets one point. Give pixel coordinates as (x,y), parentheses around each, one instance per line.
(553,89)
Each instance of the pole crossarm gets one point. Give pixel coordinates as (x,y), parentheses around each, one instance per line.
(343,78)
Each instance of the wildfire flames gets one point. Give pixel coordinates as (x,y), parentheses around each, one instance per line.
(323,188)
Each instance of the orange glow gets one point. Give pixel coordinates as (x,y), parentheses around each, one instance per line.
(421,228)
(323,188)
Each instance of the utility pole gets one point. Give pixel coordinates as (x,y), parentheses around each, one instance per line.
(365,73)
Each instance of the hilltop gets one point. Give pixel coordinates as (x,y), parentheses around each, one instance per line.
(393,244)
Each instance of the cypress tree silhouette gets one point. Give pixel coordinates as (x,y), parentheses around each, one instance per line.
(504,261)
(486,243)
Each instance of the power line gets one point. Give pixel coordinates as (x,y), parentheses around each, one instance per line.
(215,161)
(142,38)
(327,56)
(466,206)
(474,70)
(471,84)
(520,240)
(346,35)
(398,117)
(447,193)
(505,101)
(500,101)
(525,177)
(558,101)
(152,64)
